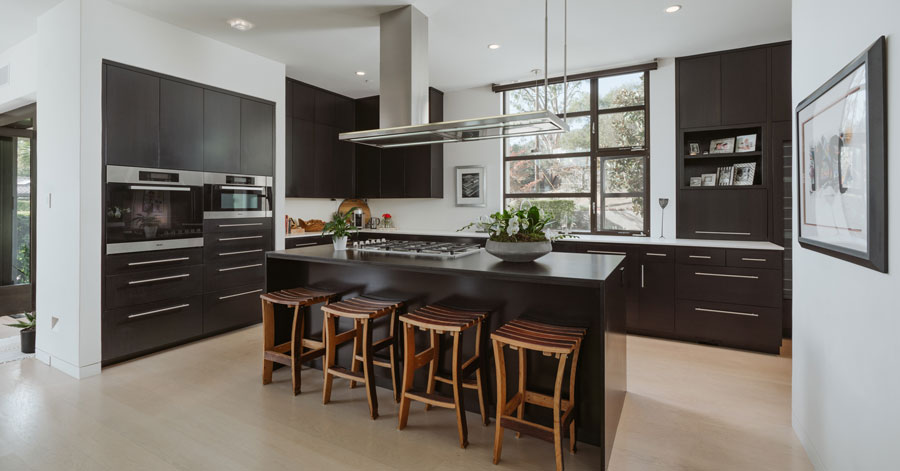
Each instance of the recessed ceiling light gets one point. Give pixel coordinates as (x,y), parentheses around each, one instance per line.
(360,73)
(673,8)
(493,46)
(240,24)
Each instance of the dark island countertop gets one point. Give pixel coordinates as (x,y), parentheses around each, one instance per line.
(554,268)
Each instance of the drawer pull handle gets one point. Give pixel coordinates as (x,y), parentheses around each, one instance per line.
(162,278)
(704,257)
(222,254)
(642,275)
(159,188)
(656,254)
(243,188)
(150,262)
(303,245)
(723,233)
(240,238)
(725,275)
(157,311)
(241,267)
(242,224)
(734,313)
(239,294)
(606,252)
(746,259)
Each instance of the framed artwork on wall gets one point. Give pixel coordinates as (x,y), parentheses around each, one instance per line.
(470,186)
(842,152)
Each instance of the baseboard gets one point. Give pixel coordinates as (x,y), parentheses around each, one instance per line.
(811,452)
(77,372)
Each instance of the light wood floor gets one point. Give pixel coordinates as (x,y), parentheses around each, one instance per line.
(202,407)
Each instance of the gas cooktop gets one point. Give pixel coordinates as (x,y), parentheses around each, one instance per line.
(416,247)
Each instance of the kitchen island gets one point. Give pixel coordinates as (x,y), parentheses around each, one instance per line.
(560,288)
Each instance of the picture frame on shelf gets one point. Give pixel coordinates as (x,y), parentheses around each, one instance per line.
(842,157)
(708,179)
(722,146)
(746,143)
(471,186)
(694,148)
(744,174)
(724,176)
(696,181)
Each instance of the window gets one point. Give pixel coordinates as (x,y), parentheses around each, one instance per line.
(594,178)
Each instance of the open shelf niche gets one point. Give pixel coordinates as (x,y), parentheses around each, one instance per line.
(706,161)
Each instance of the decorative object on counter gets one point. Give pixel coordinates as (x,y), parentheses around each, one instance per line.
(470,186)
(696,181)
(348,204)
(708,179)
(721,146)
(312,225)
(744,174)
(388,221)
(663,202)
(695,148)
(724,175)
(27,334)
(842,154)
(340,227)
(374,223)
(706,152)
(746,143)
(517,235)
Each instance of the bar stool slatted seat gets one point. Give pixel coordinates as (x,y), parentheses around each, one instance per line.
(558,341)
(438,320)
(291,353)
(364,311)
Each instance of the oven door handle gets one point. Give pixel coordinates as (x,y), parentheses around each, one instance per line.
(243,188)
(163,188)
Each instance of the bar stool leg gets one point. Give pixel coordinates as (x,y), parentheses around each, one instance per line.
(501,399)
(395,356)
(268,312)
(557,400)
(369,368)
(436,360)
(461,425)
(409,371)
(572,439)
(357,350)
(520,413)
(330,347)
(480,378)
(296,347)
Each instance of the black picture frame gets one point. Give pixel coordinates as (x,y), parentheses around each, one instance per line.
(876,256)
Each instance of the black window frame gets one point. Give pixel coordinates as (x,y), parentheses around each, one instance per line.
(596,155)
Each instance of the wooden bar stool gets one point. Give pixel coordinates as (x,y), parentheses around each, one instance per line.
(364,311)
(438,320)
(562,342)
(291,353)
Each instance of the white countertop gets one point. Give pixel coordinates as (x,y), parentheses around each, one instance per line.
(608,239)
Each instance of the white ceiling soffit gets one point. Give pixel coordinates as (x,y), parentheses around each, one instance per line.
(325,42)
(18,19)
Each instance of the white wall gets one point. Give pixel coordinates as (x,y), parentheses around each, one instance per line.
(107,31)
(444,215)
(846,323)
(22,87)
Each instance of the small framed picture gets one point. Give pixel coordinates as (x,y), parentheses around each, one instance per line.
(744,173)
(708,179)
(696,181)
(470,186)
(724,176)
(721,146)
(695,148)
(746,143)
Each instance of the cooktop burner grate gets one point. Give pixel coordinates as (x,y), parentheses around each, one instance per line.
(417,247)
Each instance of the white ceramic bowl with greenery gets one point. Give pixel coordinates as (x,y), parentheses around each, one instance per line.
(517,235)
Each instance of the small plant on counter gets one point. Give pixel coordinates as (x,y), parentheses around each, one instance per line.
(388,221)
(517,225)
(340,227)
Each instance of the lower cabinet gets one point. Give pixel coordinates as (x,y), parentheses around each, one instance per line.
(230,308)
(734,325)
(134,330)
(656,310)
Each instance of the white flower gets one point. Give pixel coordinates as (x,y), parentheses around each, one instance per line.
(524,224)
(513,228)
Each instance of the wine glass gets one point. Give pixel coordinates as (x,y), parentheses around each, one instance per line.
(663,202)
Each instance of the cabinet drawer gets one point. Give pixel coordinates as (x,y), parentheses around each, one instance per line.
(597,249)
(136,329)
(755,258)
(237,225)
(153,285)
(656,254)
(732,325)
(228,246)
(729,285)
(700,256)
(232,308)
(229,275)
(141,261)
(296,242)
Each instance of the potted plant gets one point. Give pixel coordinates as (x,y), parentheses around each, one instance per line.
(27,334)
(340,227)
(388,220)
(517,235)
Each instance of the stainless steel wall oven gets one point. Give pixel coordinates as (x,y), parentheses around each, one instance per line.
(236,196)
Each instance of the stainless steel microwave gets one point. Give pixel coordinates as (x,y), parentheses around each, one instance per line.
(236,196)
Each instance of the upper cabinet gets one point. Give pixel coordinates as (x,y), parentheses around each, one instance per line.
(781,83)
(744,76)
(131,117)
(700,91)
(156,121)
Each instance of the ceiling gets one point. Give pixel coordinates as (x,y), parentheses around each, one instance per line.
(324,42)
(18,19)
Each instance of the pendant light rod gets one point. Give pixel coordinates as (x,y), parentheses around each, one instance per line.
(565,60)
(546,32)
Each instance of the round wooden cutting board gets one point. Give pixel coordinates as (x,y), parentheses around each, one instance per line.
(346,205)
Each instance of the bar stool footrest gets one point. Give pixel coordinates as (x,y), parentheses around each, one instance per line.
(528,428)
(342,372)
(432,399)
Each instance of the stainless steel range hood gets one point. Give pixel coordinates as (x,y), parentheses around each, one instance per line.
(403,110)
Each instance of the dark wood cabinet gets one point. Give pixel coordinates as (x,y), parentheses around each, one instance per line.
(325,141)
(257,138)
(131,117)
(221,132)
(780,143)
(657,290)
(301,180)
(744,85)
(700,91)
(303,103)
(723,213)
(368,158)
(392,173)
(180,126)
(780,81)
(325,108)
